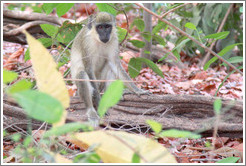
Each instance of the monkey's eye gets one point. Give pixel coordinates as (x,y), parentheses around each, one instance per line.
(99,26)
(107,26)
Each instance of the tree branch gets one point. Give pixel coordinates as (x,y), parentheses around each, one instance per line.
(32,16)
(24,27)
(185,112)
(169,11)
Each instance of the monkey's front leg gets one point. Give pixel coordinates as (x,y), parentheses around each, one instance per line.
(88,92)
(121,74)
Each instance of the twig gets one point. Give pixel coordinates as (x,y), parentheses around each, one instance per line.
(57,60)
(67,79)
(127,28)
(205,159)
(190,37)
(219,30)
(169,11)
(24,68)
(216,126)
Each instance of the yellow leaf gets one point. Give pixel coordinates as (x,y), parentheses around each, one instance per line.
(119,147)
(49,80)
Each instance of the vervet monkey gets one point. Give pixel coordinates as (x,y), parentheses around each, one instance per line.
(94,56)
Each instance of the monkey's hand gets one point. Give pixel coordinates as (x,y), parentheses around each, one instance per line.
(93,117)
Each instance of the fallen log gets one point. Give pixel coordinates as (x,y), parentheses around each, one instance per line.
(184,112)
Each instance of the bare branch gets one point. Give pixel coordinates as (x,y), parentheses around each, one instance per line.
(32,16)
(24,27)
(170,11)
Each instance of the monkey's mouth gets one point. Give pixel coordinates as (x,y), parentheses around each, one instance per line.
(104,39)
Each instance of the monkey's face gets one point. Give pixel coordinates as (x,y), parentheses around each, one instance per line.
(104,31)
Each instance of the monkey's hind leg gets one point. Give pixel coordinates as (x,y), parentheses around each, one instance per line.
(86,92)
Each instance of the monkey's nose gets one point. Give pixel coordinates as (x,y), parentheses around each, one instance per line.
(105,40)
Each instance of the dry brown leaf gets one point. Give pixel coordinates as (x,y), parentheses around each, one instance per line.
(12,60)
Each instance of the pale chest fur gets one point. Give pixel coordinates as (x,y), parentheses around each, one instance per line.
(101,53)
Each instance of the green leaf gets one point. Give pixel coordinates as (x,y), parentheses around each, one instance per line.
(217,106)
(90,157)
(67,128)
(235,59)
(207,144)
(190,26)
(134,67)
(63,8)
(228,48)
(4,133)
(229,160)
(9,76)
(121,33)
(37,9)
(103,7)
(155,126)
(47,42)
(50,30)
(67,32)
(16,137)
(221,53)
(11,6)
(176,54)
(219,35)
(175,49)
(135,158)
(159,39)
(158,27)
(138,43)
(241,9)
(139,24)
(27,55)
(49,7)
(151,65)
(27,141)
(147,36)
(110,97)
(181,44)
(20,86)
(40,106)
(147,52)
(179,134)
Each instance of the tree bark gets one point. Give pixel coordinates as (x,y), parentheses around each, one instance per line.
(184,112)
(148,28)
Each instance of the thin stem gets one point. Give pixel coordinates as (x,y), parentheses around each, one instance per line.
(171,10)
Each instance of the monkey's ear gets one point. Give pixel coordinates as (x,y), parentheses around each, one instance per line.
(90,20)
